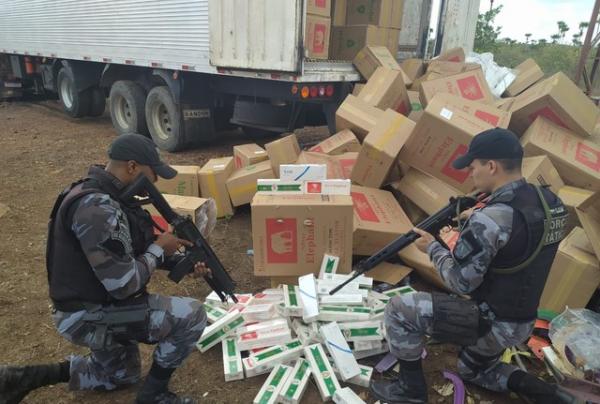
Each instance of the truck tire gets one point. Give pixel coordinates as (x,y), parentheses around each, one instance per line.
(164,120)
(75,103)
(98,101)
(126,104)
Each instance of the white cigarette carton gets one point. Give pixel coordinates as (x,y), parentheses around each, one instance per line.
(219,330)
(365,345)
(263,325)
(322,371)
(275,297)
(292,301)
(347,396)
(232,360)
(362,331)
(363,281)
(214,312)
(269,392)
(214,299)
(266,359)
(258,312)
(339,350)
(363,379)
(383,348)
(344,313)
(342,299)
(302,172)
(303,332)
(295,385)
(328,187)
(264,338)
(329,265)
(377,310)
(308,295)
(324,286)
(279,187)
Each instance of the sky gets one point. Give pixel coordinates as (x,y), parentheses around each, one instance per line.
(537,17)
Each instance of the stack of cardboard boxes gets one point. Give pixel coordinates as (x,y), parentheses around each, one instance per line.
(359,23)
(318,29)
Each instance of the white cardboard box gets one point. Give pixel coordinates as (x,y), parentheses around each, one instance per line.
(308,295)
(295,385)
(339,350)
(269,392)
(347,396)
(322,371)
(232,360)
(219,330)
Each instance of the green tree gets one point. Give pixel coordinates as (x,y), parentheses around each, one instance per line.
(563,28)
(486,34)
(527,36)
(555,38)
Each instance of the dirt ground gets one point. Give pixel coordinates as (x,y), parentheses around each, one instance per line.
(41,152)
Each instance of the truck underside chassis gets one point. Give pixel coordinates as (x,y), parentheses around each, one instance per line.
(178,109)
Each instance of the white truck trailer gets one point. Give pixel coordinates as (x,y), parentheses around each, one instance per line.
(179,70)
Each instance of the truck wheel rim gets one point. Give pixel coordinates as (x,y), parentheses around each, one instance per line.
(66,92)
(162,121)
(123,113)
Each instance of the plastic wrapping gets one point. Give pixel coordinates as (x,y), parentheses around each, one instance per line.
(575,334)
(206,217)
(497,77)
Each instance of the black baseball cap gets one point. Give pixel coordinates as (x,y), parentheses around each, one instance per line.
(492,144)
(131,146)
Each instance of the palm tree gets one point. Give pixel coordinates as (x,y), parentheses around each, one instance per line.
(562,28)
(527,36)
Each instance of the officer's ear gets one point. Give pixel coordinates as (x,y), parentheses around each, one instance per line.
(132,167)
(492,166)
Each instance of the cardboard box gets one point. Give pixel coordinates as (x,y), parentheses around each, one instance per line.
(338,12)
(386,89)
(371,57)
(185,183)
(572,197)
(378,219)
(357,115)
(212,178)
(248,154)
(505,104)
(539,170)
(528,73)
(412,210)
(357,89)
(559,100)
(282,151)
(452,55)
(319,7)
(241,185)
(316,38)
(576,159)
(392,38)
(574,275)
(338,167)
(427,192)
(470,85)
(380,149)
(441,135)
(485,112)
(383,13)
(588,213)
(414,68)
(347,41)
(199,209)
(291,233)
(342,142)
(416,108)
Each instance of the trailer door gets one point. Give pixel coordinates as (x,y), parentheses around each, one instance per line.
(256,34)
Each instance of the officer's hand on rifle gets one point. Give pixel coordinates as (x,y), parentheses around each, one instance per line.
(171,244)
(200,270)
(424,241)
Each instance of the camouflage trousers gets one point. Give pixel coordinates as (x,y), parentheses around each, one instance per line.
(174,324)
(408,318)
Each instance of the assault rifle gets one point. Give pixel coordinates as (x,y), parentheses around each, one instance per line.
(184,228)
(433,224)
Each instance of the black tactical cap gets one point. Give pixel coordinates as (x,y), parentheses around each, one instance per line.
(142,150)
(492,144)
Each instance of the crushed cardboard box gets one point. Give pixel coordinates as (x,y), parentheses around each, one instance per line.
(248,154)
(212,178)
(380,149)
(282,151)
(185,182)
(441,135)
(371,57)
(386,89)
(576,159)
(357,115)
(339,143)
(470,85)
(560,101)
(241,185)
(528,73)
(574,275)
(291,233)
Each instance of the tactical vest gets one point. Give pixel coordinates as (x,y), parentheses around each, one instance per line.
(513,285)
(70,276)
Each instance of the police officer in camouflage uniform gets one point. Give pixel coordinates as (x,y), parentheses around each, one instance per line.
(101,254)
(501,260)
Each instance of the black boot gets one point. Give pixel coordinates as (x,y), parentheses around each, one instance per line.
(17,381)
(537,390)
(409,388)
(155,389)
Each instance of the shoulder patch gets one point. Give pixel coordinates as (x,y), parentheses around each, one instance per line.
(467,246)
